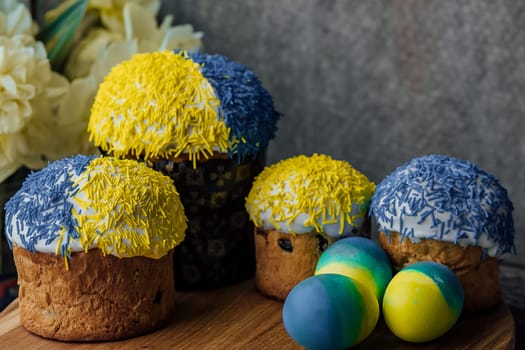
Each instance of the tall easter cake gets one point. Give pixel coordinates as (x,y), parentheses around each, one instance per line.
(205,121)
(450,211)
(92,240)
(299,206)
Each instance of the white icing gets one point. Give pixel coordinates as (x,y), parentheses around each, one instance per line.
(43,246)
(40,245)
(330,225)
(424,228)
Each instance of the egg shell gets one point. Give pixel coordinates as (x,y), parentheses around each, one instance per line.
(330,311)
(359,258)
(422,302)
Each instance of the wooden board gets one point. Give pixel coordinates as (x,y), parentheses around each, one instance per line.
(238,317)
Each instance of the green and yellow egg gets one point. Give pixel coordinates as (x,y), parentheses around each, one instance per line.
(359,258)
(422,302)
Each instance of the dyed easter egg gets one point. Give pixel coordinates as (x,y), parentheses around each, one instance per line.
(359,258)
(330,312)
(422,302)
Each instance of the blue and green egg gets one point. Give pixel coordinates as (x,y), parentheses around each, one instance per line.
(330,311)
(423,301)
(358,258)
(338,307)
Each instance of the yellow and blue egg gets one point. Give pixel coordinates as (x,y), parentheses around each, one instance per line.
(422,302)
(358,258)
(330,311)
(338,307)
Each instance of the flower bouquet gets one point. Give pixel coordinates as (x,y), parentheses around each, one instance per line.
(53,56)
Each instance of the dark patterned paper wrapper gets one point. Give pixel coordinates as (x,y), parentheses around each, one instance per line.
(8,286)
(219,248)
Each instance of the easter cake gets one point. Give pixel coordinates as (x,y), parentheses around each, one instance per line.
(206,122)
(299,206)
(450,211)
(92,240)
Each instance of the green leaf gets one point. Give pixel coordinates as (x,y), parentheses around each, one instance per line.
(59,33)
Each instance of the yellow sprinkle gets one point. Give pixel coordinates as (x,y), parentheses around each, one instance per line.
(60,238)
(316,186)
(125,198)
(176,123)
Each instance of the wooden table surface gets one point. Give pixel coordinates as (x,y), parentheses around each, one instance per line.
(238,317)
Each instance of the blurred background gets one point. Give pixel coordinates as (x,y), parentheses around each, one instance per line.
(379,82)
(375,83)
(372,82)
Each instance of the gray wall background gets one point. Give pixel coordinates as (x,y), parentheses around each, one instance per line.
(378,82)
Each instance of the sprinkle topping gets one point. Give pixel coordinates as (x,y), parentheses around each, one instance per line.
(157,104)
(127,209)
(304,194)
(443,198)
(119,206)
(163,104)
(40,212)
(246,106)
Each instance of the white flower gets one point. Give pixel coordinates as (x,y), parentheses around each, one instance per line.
(87,51)
(111,11)
(117,52)
(29,95)
(42,116)
(15,18)
(72,119)
(98,52)
(101,49)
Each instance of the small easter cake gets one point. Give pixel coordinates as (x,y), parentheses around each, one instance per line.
(447,210)
(299,206)
(206,122)
(92,240)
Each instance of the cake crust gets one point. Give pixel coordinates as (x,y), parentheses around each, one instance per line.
(279,270)
(478,275)
(98,298)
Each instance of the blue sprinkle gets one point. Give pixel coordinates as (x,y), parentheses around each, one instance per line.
(449,185)
(424,215)
(42,207)
(483,253)
(246,106)
(434,221)
(441,230)
(401,222)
